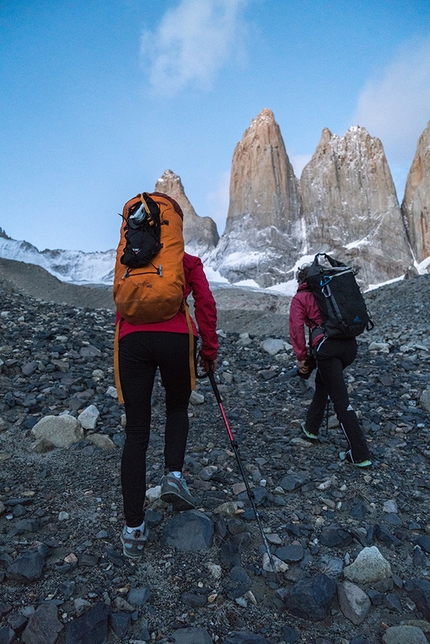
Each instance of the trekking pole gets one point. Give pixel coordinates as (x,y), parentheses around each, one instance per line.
(235,447)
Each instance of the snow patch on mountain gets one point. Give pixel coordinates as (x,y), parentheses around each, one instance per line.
(73,266)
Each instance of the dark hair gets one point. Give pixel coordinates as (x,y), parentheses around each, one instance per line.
(302,273)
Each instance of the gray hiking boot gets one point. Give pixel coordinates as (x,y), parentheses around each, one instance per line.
(175,491)
(133,543)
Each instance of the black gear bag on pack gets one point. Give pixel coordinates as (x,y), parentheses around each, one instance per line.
(142,233)
(339,299)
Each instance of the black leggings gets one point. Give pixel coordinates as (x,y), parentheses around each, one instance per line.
(140,354)
(332,358)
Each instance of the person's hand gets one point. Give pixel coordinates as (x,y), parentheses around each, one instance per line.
(302,367)
(207,365)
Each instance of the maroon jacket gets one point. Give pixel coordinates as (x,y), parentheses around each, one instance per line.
(303,311)
(204,310)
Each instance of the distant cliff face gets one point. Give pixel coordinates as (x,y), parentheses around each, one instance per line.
(263,186)
(262,233)
(416,203)
(349,205)
(200,233)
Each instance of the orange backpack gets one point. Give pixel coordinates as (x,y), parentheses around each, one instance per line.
(149,276)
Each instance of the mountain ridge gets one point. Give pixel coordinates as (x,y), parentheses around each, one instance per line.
(345,204)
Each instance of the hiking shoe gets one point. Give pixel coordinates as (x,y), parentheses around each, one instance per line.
(347,456)
(175,491)
(312,437)
(134,542)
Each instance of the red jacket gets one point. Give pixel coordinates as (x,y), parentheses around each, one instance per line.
(204,309)
(303,311)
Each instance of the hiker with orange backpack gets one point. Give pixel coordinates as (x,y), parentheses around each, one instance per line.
(332,355)
(168,344)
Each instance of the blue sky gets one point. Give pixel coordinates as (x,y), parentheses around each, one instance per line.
(98,98)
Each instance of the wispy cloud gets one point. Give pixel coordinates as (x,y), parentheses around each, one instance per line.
(395,104)
(191,43)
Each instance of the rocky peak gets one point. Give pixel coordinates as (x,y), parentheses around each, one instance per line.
(263,187)
(416,202)
(263,224)
(200,233)
(349,205)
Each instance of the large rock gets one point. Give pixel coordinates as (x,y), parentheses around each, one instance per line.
(28,566)
(90,627)
(404,634)
(189,531)
(200,233)
(353,601)
(416,202)
(191,635)
(43,626)
(350,206)
(60,431)
(311,599)
(369,566)
(262,235)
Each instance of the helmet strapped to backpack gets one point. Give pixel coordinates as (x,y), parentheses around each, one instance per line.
(339,299)
(149,276)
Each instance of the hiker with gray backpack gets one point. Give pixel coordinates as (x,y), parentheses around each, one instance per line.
(329,303)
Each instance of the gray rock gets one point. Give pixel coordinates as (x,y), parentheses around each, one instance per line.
(239,583)
(139,596)
(369,566)
(90,352)
(289,634)
(101,440)
(7,635)
(191,635)
(90,628)
(244,637)
(419,591)
(273,346)
(354,602)
(120,623)
(425,400)
(196,398)
(189,531)
(290,553)
(334,537)
(424,542)
(27,567)
(29,368)
(404,635)
(61,431)
(207,472)
(292,482)
(43,626)
(390,506)
(311,598)
(88,418)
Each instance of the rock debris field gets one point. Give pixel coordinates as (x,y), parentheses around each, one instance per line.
(351,547)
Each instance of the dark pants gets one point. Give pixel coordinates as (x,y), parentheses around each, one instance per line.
(140,354)
(332,358)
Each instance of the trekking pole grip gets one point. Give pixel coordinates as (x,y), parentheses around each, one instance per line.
(214,386)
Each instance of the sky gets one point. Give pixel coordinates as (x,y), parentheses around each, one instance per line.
(99,97)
